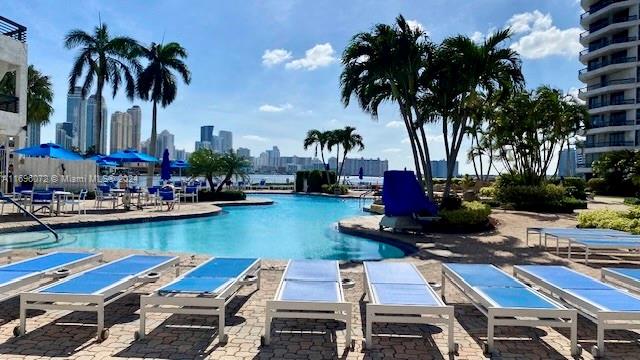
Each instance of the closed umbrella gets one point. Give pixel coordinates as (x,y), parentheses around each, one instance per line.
(361,173)
(165,167)
(49,150)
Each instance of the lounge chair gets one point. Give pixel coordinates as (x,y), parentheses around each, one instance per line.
(506,301)
(205,290)
(41,201)
(309,289)
(558,233)
(608,307)
(93,289)
(619,244)
(625,277)
(190,192)
(169,198)
(32,271)
(398,293)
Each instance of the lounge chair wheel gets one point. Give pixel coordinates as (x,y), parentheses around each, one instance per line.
(595,351)
(352,345)
(223,340)
(485,349)
(578,351)
(136,335)
(16,331)
(104,334)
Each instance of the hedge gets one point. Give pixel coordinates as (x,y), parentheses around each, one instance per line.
(471,213)
(315,180)
(611,219)
(541,198)
(205,195)
(488,191)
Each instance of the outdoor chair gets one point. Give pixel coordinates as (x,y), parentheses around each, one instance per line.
(41,201)
(104,194)
(204,290)
(169,198)
(190,192)
(77,202)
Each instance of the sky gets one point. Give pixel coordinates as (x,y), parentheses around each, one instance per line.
(269,70)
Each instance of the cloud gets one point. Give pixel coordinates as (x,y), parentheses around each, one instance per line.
(405,141)
(416,25)
(275,56)
(255,138)
(477,37)
(540,38)
(275,108)
(391,150)
(394,124)
(318,56)
(574,93)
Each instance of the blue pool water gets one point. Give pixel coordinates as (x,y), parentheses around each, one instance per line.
(295,227)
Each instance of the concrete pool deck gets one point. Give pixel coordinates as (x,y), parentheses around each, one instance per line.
(59,334)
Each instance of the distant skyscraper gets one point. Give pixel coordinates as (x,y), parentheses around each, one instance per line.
(439,169)
(181,154)
(203,145)
(122,131)
(370,167)
(136,120)
(165,141)
(33,134)
(273,157)
(226,140)
(77,116)
(206,133)
(92,123)
(568,164)
(243,152)
(64,136)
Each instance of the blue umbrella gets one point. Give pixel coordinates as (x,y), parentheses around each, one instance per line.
(131,155)
(106,163)
(165,167)
(360,173)
(49,150)
(179,164)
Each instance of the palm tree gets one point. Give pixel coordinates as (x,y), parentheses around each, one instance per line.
(102,59)
(318,139)
(349,140)
(39,94)
(230,165)
(389,64)
(157,82)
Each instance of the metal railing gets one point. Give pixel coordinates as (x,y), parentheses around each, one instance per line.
(610,143)
(9,103)
(611,122)
(603,25)
(27,212)
(13,30)
(601,64)
(598,6)
(606,42)
(607,83)
(600,104)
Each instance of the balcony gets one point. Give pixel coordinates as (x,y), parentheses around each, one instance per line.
(607,83)
(618,20)
(610,143)
(13,30)
(600,104)
(600,123)
(9,103)
(599,6)
(602,64)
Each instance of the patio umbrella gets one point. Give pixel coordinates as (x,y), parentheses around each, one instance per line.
(165,167)
(179,165)
(106,163)
(130,156)
(49,150)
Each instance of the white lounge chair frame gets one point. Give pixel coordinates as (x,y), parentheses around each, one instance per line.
(197,304)
(604,320)
(589,246)
(95,302)
(408,314)
(618,279)
(277,308)
(501,316)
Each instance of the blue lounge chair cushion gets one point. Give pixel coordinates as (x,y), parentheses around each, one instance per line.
(632,273)
(393,273)
(612,299)
(515,298)
(7,277)
(222,267)
(611,243)
(484,275)
(564,278)
(197,285)
(404,294)
(87,283)
(313,291)
(312,270)
(46,262)
(132,265)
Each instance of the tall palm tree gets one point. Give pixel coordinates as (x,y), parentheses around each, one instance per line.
(104,60)
(318,139)
(349,140)
(39,94)
(230,165)
(157,82)
(388,64)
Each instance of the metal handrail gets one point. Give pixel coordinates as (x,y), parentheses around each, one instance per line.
(605,24)
(55,234)
(598,6)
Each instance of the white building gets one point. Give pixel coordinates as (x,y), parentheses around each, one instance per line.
(166,140)
(203,145)
(567,164)
(182,154)
(64,135)
(136,120)
(77,115)
(92,123)
(611,73)
(226,140)
(243,152)
(13,106)
(122,132)
(33,134)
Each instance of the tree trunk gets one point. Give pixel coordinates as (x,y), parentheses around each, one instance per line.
(226,179)
(97,126)
(427,165)
(452,155)
(337,164)
(210,180)
(152,143)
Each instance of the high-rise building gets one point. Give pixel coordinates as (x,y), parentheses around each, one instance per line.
(610,76)
(439,169)
(243,152)
(181,154)
(567,164)
(77,115)
(370,167)
(136,121)
(92,123)
(64,135)
(273,157)
(226,141)
(165,141)
(33,134)
(203,145)
(122,131)
(206,133)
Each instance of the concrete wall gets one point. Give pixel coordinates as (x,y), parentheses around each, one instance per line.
(13,57)
(48,172)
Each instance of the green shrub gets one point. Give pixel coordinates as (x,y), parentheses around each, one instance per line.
(205,195)
(542,198)
(315,179)
(597,185)
(611,219)
(314,183)
(331,189)
(469,214)
(451,202)
(300,177)
(488,191)
(632,201)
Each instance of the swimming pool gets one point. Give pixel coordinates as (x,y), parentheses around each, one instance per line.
(295,227)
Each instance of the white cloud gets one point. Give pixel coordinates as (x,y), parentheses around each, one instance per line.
(275,108)
(391,150)
(477,37)
(255,138)
(405,141)
(574,93)
(275,56)
(416,25)
(320,55)
(540,38)
(394,124)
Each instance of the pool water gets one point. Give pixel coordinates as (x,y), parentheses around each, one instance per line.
(295,227)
